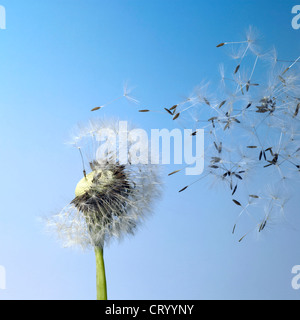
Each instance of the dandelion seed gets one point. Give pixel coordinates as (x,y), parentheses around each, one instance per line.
(176,116)
(126,95)
(234,227)
(234,190)
(238,176)
(243,237)
(237,203)
(291,66)
(212,119)
(174,172)
(169,111)
(220,147)
(237,69)
(282,80)
(206,101)
(95,109)
(82,160)
(183,189)
(285,71)
(227,126)
(222,104)
(297,111)
(216,159)
(262,226)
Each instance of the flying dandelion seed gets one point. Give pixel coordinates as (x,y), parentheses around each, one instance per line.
(111,201)
(126,94)
(252,124)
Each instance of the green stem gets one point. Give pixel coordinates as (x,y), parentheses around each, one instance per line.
(101,279)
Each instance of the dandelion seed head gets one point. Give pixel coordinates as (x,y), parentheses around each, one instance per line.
(111,201)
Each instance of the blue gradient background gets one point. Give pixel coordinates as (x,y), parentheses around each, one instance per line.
(59,59)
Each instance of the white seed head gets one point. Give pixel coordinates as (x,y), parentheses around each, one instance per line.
(111,201)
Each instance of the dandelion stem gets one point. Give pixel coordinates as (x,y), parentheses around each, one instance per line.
(101,278)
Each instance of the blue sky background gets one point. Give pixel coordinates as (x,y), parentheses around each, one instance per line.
(59,59)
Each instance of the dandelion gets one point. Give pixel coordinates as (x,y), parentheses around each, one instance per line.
(111,200)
